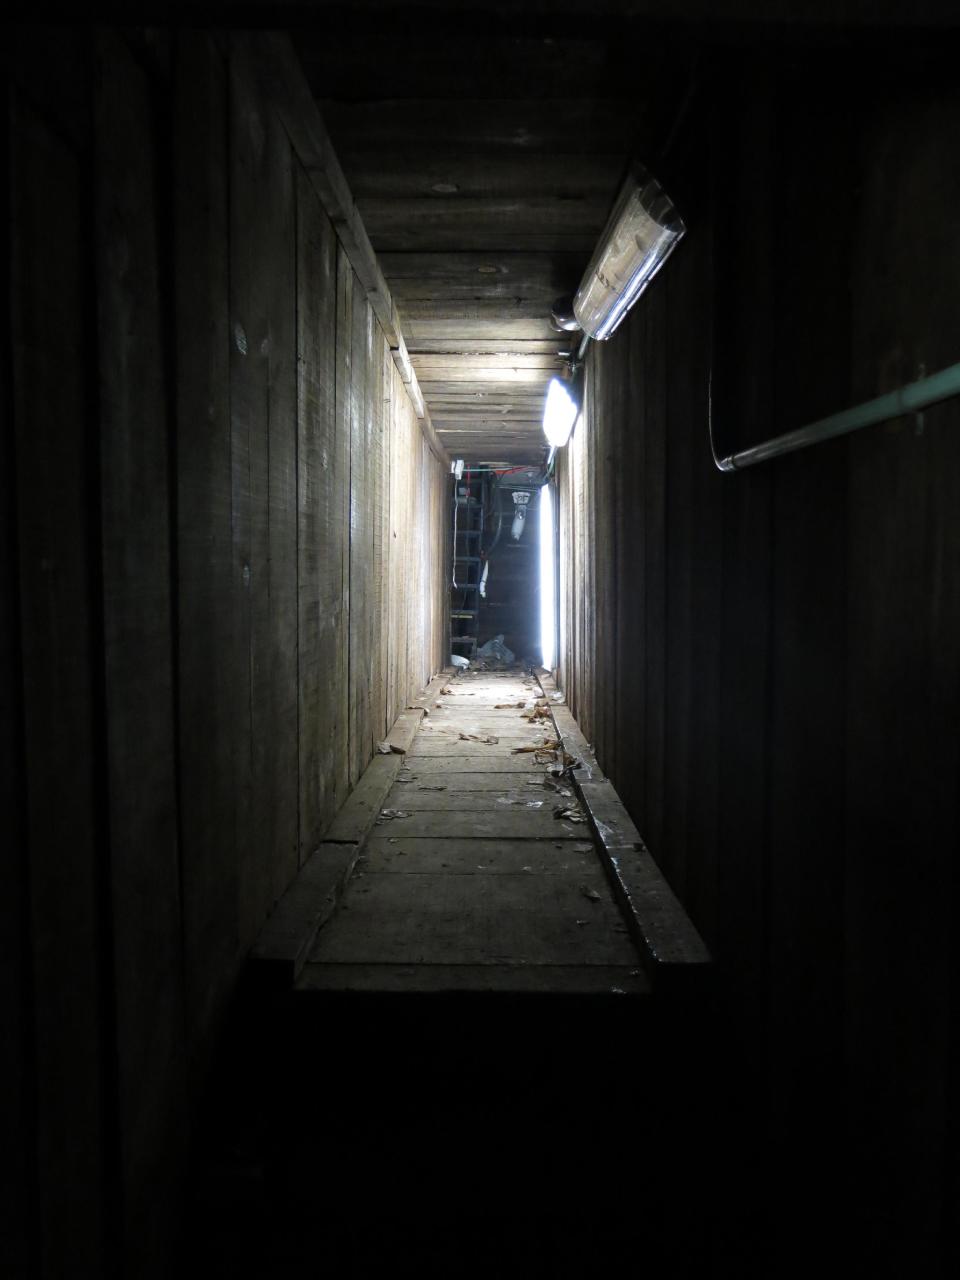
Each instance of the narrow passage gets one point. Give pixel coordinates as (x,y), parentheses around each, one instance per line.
(480,873)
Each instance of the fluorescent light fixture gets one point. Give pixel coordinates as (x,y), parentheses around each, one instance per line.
(559,414)
(643,230)
(548,581)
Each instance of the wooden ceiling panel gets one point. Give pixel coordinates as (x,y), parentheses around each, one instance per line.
(567,126)
(501,276)
(435,172)
(566,223)
(483,183)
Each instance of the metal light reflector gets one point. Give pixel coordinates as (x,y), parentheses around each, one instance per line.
(559,414)
(642,232)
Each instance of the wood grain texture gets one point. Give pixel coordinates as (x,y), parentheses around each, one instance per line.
(138,624)
(322,548)
(211,660)
(263,391)
(55,861)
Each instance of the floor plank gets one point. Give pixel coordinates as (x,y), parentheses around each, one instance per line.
(412,855)
(468,880)
(442,918)
(498,822)
(615,980)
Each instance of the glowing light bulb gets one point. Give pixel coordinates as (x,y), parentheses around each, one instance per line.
(560,413)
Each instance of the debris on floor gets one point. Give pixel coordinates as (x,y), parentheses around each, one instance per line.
(587,892)
(540,712)
(387,815)
(473,737)
(495,648)
(568,813)
(388,749)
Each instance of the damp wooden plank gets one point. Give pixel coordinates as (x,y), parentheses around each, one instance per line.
(569,225)
(357,814)
(212,661)
(524,126)
(472,741)
(414,855)
(509,719)
(462,784)
(483,368)
(139,784)
(55,849)
(420,797)
(487,346)
(284,942)
(404,730)
(609,819)
(554,979)
(476,275)
(367,694)
(460,764)
(661,927)
(345,396)
(516,823)
(493,325)
(264,417)
(322,485)
(437,745)
(388,174)
(476,919)
(450,366)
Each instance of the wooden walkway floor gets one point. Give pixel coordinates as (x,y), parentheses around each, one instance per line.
(479,873)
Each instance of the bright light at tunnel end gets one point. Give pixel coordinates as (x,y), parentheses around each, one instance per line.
(548,581)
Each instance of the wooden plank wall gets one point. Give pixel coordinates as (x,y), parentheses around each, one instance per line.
(225,569)
(766,662)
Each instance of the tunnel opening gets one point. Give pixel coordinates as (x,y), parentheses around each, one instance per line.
(497,583)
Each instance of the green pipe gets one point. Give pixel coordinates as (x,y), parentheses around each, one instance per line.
(907,399)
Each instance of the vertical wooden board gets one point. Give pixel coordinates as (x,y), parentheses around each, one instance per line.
(391,548)
(246,394)
(343,378)
(706,495)
(18,1136)
(378,352)
(805,780)
(901,815)
(263,411)
(655,593)
(681,515)
(62,1109)
(212,661)
(277,662)
(903,699)
(321,485)
(605,462)
(138,631)
(631,582)
(742,263)
(361,540)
